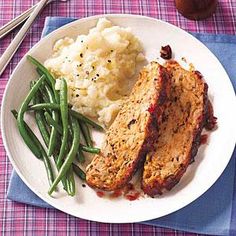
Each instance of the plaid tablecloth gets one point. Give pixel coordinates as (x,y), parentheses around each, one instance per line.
(20,219)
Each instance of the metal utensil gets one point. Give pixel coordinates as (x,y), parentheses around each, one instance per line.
(11,49)
(7,28)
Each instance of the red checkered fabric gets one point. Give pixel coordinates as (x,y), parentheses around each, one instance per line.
(20,219)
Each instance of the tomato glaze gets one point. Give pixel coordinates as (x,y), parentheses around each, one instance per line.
(203,139)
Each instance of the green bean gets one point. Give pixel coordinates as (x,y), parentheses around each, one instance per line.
(89,149)
(55,117)
(41,123)
(47,144)
(79,172)
(39,71)
(76,114)
(32,83)
(80,156)
(86,134)
(48,75)
(70,157)
(64,117)
(14,113)
(83,133)
(70,181)
(83,118)
(47,81)
(52,122)
(20,118)
(70,131)
(50,94)
(65,184)
(42,106)
(43,95)
(47,163)
(43,154)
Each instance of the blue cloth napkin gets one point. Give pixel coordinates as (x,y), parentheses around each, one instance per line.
(215,211)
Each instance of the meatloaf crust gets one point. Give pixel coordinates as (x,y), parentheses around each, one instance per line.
(133,132)
(179,133)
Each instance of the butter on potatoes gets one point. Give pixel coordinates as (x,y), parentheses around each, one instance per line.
(98,68)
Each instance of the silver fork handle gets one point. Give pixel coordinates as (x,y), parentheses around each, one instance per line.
(10,51)
(7,28)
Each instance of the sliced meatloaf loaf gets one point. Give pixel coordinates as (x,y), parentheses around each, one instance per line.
(179,133)
(133,131)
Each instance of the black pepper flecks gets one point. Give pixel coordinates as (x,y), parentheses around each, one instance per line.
(81,55)
(109,61)
(97,75)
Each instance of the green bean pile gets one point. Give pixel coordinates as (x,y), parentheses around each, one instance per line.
(61,128)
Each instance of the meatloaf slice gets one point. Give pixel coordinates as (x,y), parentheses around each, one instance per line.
(179,133)
(133,131)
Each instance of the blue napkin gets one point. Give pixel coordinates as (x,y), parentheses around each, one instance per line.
(215,211)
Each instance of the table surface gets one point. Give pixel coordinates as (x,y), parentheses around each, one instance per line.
(21,219)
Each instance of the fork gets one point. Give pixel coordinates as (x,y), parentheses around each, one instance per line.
(10,51)
(7,28)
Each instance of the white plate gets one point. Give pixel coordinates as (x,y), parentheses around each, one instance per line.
(210,161)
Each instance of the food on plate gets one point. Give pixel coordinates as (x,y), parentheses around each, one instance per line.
(211,120)
(59,127)
(154,123)
(162,150)
(99,68)
(179,133)
(133,132)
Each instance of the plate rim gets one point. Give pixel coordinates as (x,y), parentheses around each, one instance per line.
(71,24)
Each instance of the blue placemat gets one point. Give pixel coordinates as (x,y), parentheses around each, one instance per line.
(215,211)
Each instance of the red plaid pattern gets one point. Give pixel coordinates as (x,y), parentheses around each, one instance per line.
(20,219)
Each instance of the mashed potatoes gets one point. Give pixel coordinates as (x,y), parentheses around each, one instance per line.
(98,68)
